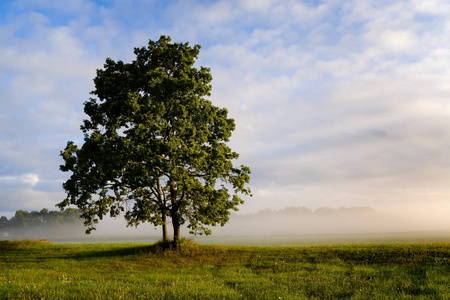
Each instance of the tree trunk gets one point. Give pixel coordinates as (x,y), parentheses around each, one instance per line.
(164,227)
(174,214)
(176,228)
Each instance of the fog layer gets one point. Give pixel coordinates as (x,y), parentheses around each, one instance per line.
(297,221)
(268,224)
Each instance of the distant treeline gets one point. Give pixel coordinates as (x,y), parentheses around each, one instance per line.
(42,224)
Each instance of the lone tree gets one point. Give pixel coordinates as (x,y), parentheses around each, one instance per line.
(154,147)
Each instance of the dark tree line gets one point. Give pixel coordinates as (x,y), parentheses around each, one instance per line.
(41,224)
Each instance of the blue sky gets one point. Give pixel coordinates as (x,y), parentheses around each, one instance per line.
(337,103)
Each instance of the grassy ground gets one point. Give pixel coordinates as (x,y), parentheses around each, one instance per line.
(327,239)
(41,270)
(272,240)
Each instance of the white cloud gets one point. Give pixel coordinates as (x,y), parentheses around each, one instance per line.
(216,12)
(393,40)
(432,7)
(30,199)
(29,179)
(258,5)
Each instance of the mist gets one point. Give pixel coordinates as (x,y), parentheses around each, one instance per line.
(297,225)
(292,221)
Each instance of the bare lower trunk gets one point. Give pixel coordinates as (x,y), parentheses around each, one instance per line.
(164,227)
(174,214)
(176,228)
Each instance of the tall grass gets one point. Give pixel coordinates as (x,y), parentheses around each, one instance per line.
(41,270)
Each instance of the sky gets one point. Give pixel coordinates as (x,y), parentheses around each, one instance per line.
(337,103)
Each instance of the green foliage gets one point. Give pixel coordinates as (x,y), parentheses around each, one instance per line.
(134,271)
(154,146)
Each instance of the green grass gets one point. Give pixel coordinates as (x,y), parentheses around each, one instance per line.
(42,270)
(326,239)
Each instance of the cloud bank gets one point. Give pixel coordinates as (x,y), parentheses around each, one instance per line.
(337,103)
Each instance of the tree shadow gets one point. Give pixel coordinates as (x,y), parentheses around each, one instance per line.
(19,251)
(111,253)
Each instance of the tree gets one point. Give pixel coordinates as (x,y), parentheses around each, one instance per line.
(3,225)
(154,147)
(21,218)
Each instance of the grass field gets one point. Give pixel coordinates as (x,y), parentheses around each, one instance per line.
(42,270)
(327,239)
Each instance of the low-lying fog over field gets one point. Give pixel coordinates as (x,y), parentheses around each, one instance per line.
(299,224)
(294,225)
(291,221)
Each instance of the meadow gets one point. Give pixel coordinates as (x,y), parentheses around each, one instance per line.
(43,270)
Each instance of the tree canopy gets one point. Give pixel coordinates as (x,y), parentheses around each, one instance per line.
(154,146)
